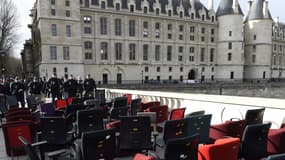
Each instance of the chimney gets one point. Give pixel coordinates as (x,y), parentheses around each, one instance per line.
(211,4)
(235,6)
(249,4)
(265,9)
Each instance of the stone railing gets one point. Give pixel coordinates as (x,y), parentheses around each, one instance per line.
(221,107)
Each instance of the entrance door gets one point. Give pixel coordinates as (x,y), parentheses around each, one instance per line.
(191,75)
(119,78)
(105,78)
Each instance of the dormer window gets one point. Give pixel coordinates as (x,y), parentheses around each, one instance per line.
(157,11)
(192,15)
(181,14)
(118,6)
(132,8)
(169,12)
(203,17)
(145,10)
(103,5)
(213,18)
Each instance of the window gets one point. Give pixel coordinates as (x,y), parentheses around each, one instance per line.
(94,2)
(169,36)
(212,54)
(132,51)
(181,78)
(145,34)
(158,78)
(202,55)
(212,69)
(145,52)
(146,78)
(170,78)
(157,69)
(86,3)
(212,39)
(157,25)
(191,49)
(229,56)
(103,5)
(53,54)
(118,51)
(203,30)
(180,36)
(52,2)
(181,14)
(146,69)
(118,6)
(213,19)
(67,13)
(145,25)
(104,50)
(169,27)
(87,19)
(232,75)
(212,77)
(103,25)
(65,53)
(65,72)
(88,55)
(68,31)
(181,28)
(192,38)
(67,3)
(254,37)
(157,53)
(203,17)
(157,34)
(118,27)
(202,39)
(230,33)
(254,48)
(212,31)
(169,69)
(169,12)
(191,58)
(192,15)
(88,45)
(180,49)
(181,69)
(180,58)
(132,8)
(264,75)
(192,29)
(230,45)
(169,53)
(53,12)
(53,30)
(144,9)
(87,30)
(132,29)
(54,70)
(157,11)
(253,58)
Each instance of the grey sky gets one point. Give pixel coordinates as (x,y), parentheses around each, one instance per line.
(24,7)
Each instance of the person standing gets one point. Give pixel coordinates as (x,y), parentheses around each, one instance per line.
(89,86)
(55,85)
(71,86)
(80,86)
(35,88)
(17,89)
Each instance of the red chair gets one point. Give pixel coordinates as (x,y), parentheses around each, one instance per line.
(129,98)
(150,104)
(17,111)
(161,115)
(11,131)
(228,128)
(140,156)
(222,149)
(60,104)
(177,114)
(276,141)
(69,100)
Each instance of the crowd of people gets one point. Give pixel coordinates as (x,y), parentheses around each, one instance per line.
(56,88)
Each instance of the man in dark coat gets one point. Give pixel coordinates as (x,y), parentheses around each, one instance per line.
(89,86)
(35,88)
(55,85)
(17,89)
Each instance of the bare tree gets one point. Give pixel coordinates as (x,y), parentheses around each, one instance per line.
(8,24)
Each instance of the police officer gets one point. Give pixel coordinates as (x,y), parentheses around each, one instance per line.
(17,89)
(35,88)
(55,85)
(89,86)
(72,86)
(80,86)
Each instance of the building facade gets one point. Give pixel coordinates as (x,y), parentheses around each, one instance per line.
(132,41)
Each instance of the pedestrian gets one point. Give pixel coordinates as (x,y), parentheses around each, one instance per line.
(17,89)
(89,86)
(55,85)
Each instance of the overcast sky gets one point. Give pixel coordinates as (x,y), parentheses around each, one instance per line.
(24,7)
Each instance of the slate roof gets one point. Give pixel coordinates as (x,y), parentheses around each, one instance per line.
(256,11)
(226,8)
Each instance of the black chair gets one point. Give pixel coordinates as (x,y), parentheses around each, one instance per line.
(276,157)
(89,120)
(119,102)
(96,145)
(32,153)
(135,133)
(196,113)
(254,116)
(32,102)
(116,113)
(12,102)
(199,125)
(254,141)
(136,106)
(70,114)
(181,148)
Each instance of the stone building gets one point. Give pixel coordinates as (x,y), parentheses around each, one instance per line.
(131,41)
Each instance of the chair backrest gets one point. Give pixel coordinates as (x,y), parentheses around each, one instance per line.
(20,118)
(89,120)
(177,113)
(136,106)
(254,141)
(98,145)
(129,96)
(119,102)
(182,148)
(199,125)
(174,129)
(100,96)
(161,113)
(196,113)
(254,116)
(93,102)
(12,101)
(276,157)
(150,104)
(151,115)
(73,108)
(135,133)
(60,103)
(32,102)
(48,109)
(116,113)
(32,154)
(276,141)
(17,112)
(53,130)
(225,148)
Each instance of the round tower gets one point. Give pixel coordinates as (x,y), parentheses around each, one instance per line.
(258,41)
(230,61)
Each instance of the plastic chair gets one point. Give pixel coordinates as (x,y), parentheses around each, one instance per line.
(222,149)
(140,156)
(196,113)
(47,109)
(254,116)
(276,141)
(150,104)
(60,103)
(136,106)
(254,141)
(116,113)
(176,114)
(119,102)
(129,96)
